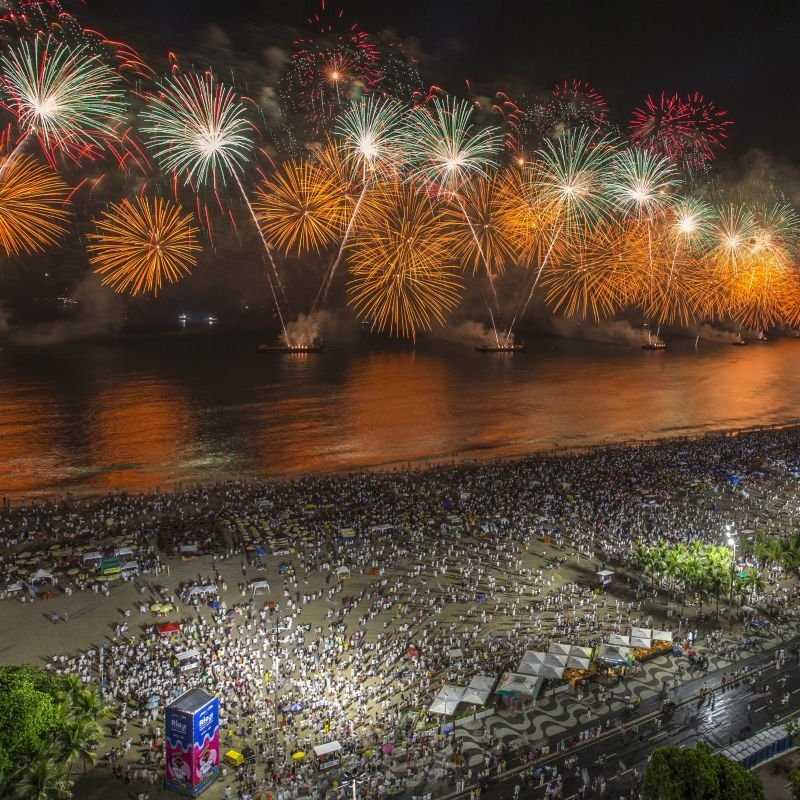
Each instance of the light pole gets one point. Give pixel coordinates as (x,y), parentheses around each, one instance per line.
(732,545)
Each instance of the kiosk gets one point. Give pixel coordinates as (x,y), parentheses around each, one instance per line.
(191,742)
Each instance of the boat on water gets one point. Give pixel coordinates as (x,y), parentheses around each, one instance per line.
(740,342)
(511,347)
(762,337)
(297,348)
(654,342)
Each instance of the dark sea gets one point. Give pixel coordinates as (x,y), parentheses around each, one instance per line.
(138,413)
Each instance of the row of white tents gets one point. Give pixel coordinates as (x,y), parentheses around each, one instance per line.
(535,667)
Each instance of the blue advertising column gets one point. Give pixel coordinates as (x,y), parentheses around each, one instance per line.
(191,742)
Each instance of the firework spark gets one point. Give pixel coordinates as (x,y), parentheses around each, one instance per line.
(64,96)
(138,245)
(444,149)
(301,207)
(33,206)
(403,274)
(196,127)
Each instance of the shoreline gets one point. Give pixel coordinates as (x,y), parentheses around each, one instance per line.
(454,462)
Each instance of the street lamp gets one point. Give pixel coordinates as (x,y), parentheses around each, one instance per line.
(732,545)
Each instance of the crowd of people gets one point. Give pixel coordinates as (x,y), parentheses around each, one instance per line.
(355,634)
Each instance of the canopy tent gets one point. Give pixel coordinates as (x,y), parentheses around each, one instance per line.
(447,700)
(130,566)
(189,549)
(259,586)
(531,660)
(326,749)
(343,570)
(614,655)
(381,528)
(479,690)
(168,628)
(662,636)
(619,641)
(41,575)
(125,552)
(513,683)
(455,654)
(604,577)
(206,589)
(347,533)
(92,558)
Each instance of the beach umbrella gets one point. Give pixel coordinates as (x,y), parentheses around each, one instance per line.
(261,551)
(296,707)
(265,794)
(298,756)
(387,748)
(153,701)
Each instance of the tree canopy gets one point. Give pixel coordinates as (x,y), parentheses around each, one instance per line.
(676,773)
(47,722)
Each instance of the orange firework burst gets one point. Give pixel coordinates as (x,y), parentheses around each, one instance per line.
(137,245)
(403,272)
(33,206)
(603,274)
(301,207)
(481,243)
(523,217)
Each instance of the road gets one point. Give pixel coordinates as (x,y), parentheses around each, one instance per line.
(725,715)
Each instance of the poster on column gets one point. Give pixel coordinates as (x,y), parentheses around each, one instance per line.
(191,742)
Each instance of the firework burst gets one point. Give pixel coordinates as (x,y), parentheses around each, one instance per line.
(301,207)
(642,184)
(481,241)
(64,96)
(444,148)
(403,274)
(196,127)
(138,245)
(33,206)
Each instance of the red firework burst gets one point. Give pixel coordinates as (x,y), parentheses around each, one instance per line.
(687,131)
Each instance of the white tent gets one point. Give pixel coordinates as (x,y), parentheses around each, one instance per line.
(381,528)
(207,589)
(189,549)
(662,636)
(130,566)
(455,654)
(514,683)
(612,654)
(619,641)
(121,552)
(259,586)
(559,648)
(92,558)
(447,700)
(41,575)
(531,661)
(343,570)
(478,691)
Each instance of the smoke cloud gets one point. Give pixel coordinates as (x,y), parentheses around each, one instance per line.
(99,313)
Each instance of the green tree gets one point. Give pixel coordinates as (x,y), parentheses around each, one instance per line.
(676,773)
(43,778)
(753,582)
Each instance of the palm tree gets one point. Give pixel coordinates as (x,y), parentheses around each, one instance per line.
(44,778)
(753,582)
(673,563)
(80,740)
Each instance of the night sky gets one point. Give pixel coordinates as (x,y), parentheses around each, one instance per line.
(742,55)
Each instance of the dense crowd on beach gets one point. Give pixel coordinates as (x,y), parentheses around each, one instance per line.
(373,581)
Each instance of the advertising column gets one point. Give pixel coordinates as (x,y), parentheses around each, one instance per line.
(191,742)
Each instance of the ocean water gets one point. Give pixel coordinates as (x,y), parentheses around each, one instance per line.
(144,412)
